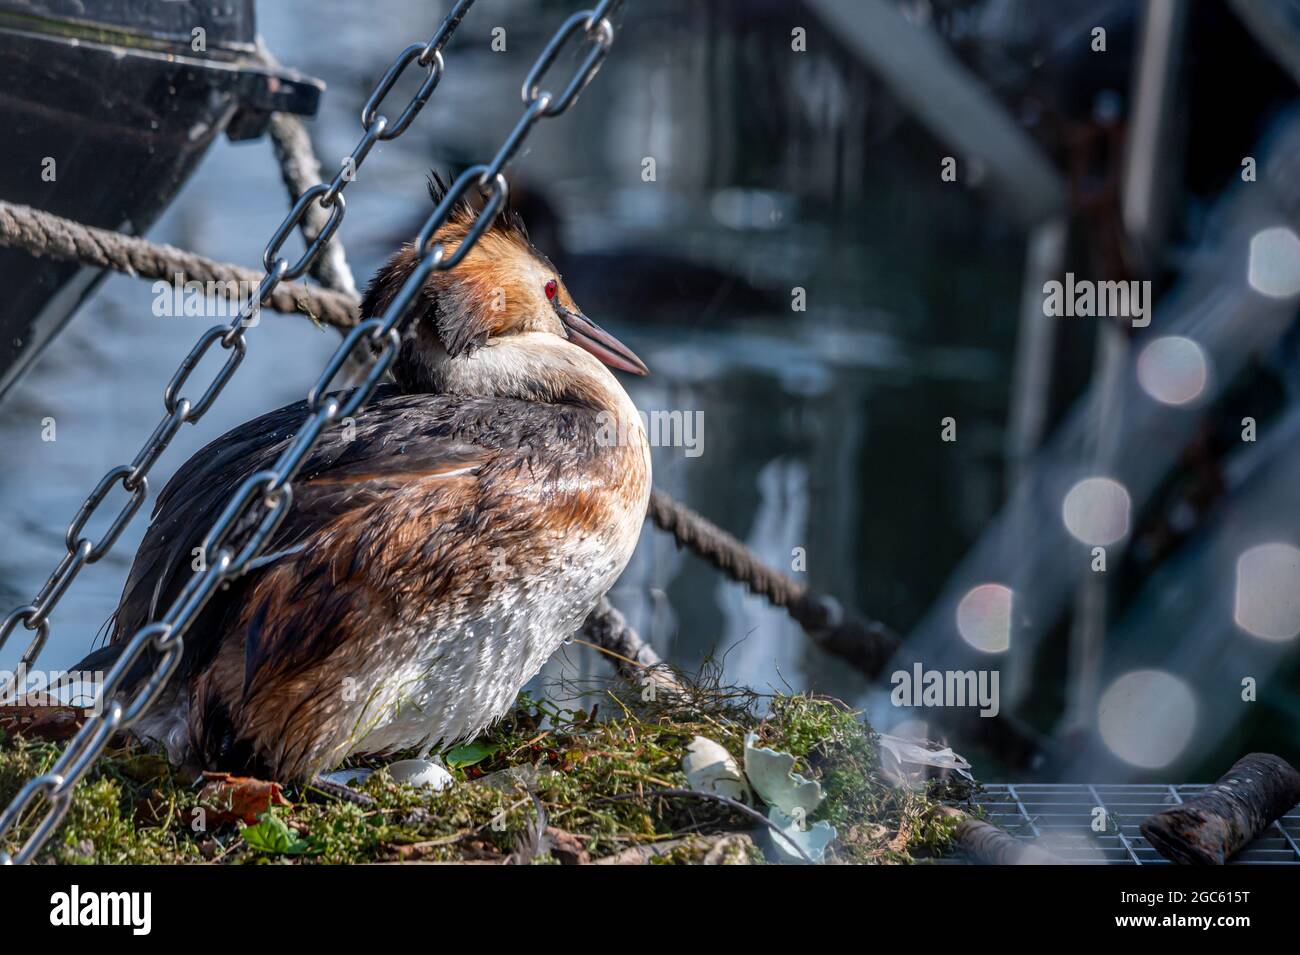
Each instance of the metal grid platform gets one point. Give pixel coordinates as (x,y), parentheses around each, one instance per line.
(1059,818)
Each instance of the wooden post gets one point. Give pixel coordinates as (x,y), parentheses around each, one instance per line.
(1209,828)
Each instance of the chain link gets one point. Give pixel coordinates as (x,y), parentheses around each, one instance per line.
(262,501)
(271,257)
(370,112)
(597,32)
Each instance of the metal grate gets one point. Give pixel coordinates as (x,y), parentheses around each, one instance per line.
(1060,818)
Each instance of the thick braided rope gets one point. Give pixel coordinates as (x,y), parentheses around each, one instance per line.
(300,170)
(864,643)
(733,558)
(49,236)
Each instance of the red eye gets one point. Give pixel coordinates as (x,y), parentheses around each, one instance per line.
(551,289)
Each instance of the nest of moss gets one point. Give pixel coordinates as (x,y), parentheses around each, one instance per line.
(551,783)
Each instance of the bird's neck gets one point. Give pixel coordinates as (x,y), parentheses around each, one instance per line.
(533,366)
(545,368)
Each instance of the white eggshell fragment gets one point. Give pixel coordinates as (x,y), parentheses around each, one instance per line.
(427,773)
(813,839)
(710,768)
(771,774)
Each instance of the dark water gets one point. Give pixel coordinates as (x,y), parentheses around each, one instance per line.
(819,426)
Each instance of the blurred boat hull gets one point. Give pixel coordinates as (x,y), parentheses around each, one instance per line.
(109,106)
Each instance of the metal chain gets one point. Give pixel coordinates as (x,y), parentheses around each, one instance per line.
(34,616)
(181,410)
(261,502)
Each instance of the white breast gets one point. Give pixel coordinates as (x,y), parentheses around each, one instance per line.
(444,681)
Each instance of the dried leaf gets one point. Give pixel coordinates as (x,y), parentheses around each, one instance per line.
(229,798)
(52,723)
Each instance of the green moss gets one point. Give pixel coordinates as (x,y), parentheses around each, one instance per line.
(591,772)
(876,822)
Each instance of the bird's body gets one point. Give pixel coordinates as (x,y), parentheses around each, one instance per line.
(439,548)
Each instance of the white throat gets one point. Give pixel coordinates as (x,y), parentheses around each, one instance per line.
(534,366)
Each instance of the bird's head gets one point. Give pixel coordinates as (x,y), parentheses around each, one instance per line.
(501,322)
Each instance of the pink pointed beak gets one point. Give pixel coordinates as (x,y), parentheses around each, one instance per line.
(589,336)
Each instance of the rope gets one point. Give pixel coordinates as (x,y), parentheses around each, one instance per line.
(300,170)
(49,236)
(608,628)
(735,560)
(631,656)
(865,644)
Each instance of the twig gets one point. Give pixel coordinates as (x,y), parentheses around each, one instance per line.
(992,846)
(732,804)
(338,791)
(646,852)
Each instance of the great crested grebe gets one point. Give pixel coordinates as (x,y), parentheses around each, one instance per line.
(439,548)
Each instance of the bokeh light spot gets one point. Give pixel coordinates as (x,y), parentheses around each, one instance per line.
(1275,262)
(1172,370)
(1268,592)
(1147,717)
(984,617)
(1096,511)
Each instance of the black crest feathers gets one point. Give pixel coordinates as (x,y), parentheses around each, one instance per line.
(508,220)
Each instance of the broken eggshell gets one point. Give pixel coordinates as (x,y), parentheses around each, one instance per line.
(420,773)
(771,773)
(710,768)
(813,839)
